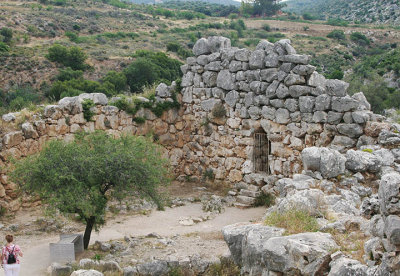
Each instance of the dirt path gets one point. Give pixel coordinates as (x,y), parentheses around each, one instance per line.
(165,223)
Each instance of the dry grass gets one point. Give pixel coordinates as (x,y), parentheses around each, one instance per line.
(351,243)
(294,221)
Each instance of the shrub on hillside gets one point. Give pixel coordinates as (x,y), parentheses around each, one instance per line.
(360,38)
(4,47)
(69,74)
(337,34)
(7,34)
(72,57)
(117,79)
(151,67)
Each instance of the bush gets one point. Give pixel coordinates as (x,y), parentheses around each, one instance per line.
(7,34)
(336,74)
(309,16)
(69,74)
(149,68)
(72,57)
(360,38)
(87,104)
(264,200)
(117,79)
(337,34)
(18,98)
(337,22)
(294,221)
(266,27)
(4,47)
(173,47)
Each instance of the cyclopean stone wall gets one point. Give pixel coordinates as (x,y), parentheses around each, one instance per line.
(271,88)
(227,95)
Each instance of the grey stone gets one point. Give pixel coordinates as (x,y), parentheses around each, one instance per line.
(309,200)
(320,117)
(298,90)
(261,100)
(268,112)
(208,105)
(306,103)
(249,99)
(271,90)
(293,79)
(187,79)
(348,118)
(388,138)
(156,268)
(163,91)
(344,104)
(29,131)
(256,59)
(201,47)
(298,59)
(225,80)
(265,45)
(187,96)
(362,100)
(255,86)
(213,66)
(385,155)
(271,60)
(72,105)
(277,103)
(282,91)
(60,270)
(316,80)
(361,117)
(282,116)
(360,161)
(269,75)
(209,78)
(343,141)
(252,75)
(351,130)
(303,70)
(91,272)
(389,194)
(336,88)
(282,254)
(9,117)
(327,161)
(235,66)
(392,229)
(242,54)
(232,98)
(292,105)
(254,112)
(334,117)
(323,102)
(346,267)
(202,59)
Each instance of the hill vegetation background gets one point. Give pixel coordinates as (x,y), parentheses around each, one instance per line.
(55,48)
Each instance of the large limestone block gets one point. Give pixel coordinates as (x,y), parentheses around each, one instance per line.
(345,266)
(305,253)
(256,59)
(336,88)
(13,139)
(389,194)
(225,80)
(327,161)
(298,59)
(361,161)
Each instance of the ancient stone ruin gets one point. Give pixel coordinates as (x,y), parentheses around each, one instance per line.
(261,120)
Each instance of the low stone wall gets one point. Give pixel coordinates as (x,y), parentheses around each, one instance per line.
(63,120)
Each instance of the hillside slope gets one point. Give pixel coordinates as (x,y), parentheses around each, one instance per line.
(367,11)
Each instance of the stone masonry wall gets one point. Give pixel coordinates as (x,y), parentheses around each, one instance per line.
(271,88)
(227,95)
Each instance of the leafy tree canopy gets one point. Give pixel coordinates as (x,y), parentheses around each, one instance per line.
(81,176)
(72,57)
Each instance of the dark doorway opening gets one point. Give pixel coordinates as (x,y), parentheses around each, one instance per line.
(262,148)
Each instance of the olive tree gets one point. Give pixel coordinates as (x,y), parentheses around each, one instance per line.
(80,177)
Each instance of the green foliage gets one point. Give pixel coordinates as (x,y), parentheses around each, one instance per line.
(73,87)
(7,34)
(360,38)
(337,34)
(4,47)
(337,22)
(139,120)
(261,7)
(309,16)
(149,68)
(294,221)
(266,27)
(266,200)
(179,49)
(79,177)
(226,267)
(18,97)
(72,57)
(208,174)
(209,9)
(69,74)
(335,74)
(368,150)
(117,79)
(87,104)
(218,111)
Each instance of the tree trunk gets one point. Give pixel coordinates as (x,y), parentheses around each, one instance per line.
(88,231)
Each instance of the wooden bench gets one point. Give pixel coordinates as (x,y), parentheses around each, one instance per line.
(65,249)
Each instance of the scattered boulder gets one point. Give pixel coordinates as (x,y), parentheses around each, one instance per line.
(327,161)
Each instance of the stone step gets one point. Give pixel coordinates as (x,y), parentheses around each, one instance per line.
(249,193)
(245,199)
(242,206)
